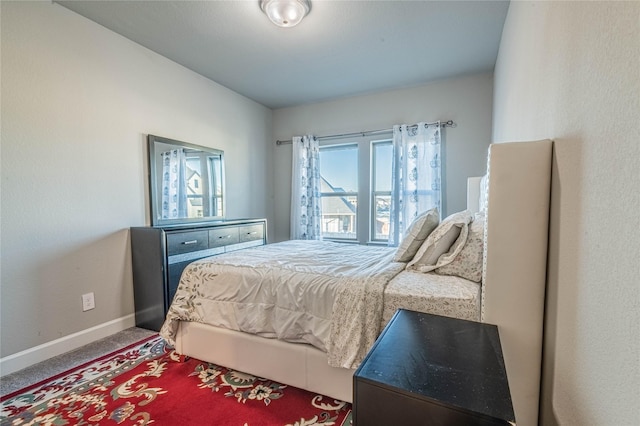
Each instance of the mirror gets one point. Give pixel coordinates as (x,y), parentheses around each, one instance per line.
(186,182)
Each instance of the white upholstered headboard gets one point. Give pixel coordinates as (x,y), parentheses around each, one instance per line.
(515,261)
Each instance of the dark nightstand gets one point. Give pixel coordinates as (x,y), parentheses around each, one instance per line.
(432,370)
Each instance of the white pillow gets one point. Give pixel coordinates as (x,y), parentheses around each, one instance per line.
(416,233)
(443,244)
(468,263)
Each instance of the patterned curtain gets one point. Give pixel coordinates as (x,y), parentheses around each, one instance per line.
(416,175)
(305,189)
(174,184)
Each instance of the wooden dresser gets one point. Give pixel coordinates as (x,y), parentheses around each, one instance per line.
(432,370)
(160,254)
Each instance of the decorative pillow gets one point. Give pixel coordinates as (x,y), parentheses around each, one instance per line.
(443,244)
(416,233)
(468,263)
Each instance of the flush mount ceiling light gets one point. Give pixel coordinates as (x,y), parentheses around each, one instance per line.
(285,13)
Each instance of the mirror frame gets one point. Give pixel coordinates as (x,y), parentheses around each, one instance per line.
(155,191)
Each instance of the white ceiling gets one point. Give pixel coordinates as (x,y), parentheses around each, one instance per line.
(342,48)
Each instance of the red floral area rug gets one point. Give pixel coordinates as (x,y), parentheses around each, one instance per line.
(148,383)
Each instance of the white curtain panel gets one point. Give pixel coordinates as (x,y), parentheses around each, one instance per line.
(416,175)
(305,189)
(174,186)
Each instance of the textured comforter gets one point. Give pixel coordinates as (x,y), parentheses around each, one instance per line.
(325,294)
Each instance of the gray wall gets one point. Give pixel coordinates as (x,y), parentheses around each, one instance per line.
(569,71)
(77,103)
(465,100)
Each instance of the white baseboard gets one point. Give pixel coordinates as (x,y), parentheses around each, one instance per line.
(18,361)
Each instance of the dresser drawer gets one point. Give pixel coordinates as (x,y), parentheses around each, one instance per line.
(251,233)
(223,236)
(185,242)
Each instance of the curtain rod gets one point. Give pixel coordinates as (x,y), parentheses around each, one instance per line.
(448,123)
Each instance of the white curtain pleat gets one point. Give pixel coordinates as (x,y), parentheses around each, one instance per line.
(174,195)
(416,175)
(305,189)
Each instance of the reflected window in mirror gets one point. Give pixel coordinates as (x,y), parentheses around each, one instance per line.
(186,182)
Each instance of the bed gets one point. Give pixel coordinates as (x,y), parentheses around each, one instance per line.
(313,355)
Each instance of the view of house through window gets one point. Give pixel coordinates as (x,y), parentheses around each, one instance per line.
(194,189)
(201,180)
(355,180)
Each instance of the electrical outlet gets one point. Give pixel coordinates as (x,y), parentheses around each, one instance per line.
(88,302)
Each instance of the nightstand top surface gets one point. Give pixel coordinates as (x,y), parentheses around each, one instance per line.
(451,362)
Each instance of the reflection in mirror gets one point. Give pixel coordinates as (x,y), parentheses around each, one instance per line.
(187,182)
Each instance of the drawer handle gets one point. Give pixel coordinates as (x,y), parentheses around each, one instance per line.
(224,236)
(252,233)
(186,243)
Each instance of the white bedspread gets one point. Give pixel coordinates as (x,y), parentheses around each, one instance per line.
(329,295)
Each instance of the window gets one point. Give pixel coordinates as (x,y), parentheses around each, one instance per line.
(355,179)
(194,191)
(339,191)
(202,170)
(382,157)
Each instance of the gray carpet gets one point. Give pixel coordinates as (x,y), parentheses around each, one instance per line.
(64,362)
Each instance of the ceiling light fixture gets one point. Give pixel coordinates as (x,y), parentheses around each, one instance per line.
(285,13)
